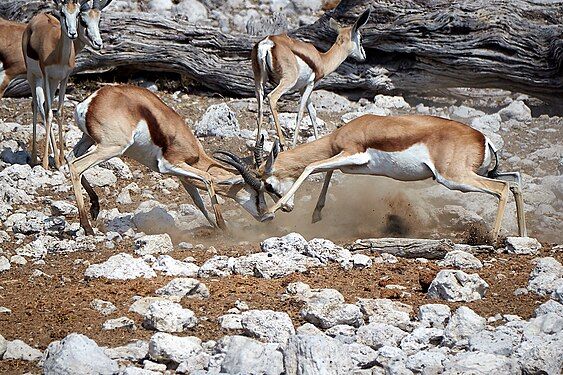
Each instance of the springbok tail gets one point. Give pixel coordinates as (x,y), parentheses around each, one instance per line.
(493,172)
(263,55)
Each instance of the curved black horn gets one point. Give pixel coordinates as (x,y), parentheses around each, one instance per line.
(259,152)
(84,5)
(240,166)
(96,4)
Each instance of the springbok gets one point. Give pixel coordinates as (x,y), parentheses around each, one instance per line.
(50,47)
(405,148)
(295,65)
(12,64)
(148,131)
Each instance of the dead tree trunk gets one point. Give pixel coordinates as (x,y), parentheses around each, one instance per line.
(412,46)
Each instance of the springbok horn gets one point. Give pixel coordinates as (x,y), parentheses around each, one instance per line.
(84,5)
(258,152)
(96,4)
(239,165)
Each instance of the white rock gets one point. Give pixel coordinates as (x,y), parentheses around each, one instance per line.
(362,355)
(247,356)
(289,121)
(77,354)
(328,313)
(161,6)
(377,335)
(327,101)
(487,123)
(218,120)
(391,102)
(463,324)
(434,315)
(119,167)
(549,306)
(18,349)
(386,311)
(460,259)
(167,316)
(4,264)
(427,361)
(455,285)
(217,266)
(292,242)
(270,266)
(103,307)
(184,287)
(541,354)
(267,325)
(134,351)
(141,305)
(169,348)
(173,267)
(121,322)
(522,245)
(481,364)
(131,370)
(545,277)
(316,355)
(516,110)
(343,333)
(502,341)
(558,293)
(3,346)
(100,177)
(231,321)
(120,267)
(153,244)
(421,338)
(192,9)
(465,112)
(63,208)
(361,261)
(326,251)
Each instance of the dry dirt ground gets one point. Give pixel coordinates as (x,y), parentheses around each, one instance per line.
(48,308)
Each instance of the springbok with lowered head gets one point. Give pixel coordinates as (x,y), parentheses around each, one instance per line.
(49,47)
(295,65)
(12,64)
(405,148)
(148,131)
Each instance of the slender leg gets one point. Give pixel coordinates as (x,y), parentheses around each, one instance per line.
(482,184)
(305,94)
(60,118)
(313,116)
(517,192)
(196,197)
(49,87)
(284,85)
(341,160)
(187,171)
(260,98)
(322,198)
(34,99)
(78,166)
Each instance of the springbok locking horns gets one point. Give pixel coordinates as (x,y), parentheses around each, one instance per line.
(12,64)
(49,47)
(295,65)
(405,148)
(150,132)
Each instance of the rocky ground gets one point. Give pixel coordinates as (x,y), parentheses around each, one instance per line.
(158,291)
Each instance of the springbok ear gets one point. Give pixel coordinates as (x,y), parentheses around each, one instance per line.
(333,24)
(362,20)
(272,157)
(105,3)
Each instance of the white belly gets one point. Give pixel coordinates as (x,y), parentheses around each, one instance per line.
(142,148)
(306,75)
(407,165)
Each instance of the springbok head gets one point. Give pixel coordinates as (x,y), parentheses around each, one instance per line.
(90,22)
(350,37)
(69,11)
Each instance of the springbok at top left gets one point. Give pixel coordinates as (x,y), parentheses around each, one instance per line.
(49,47)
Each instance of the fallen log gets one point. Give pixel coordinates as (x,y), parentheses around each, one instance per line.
(412,46)
(405,247)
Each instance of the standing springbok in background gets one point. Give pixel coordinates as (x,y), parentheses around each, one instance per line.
(295,65)
(148,131)
(12,64)
(50,47)
(405,148)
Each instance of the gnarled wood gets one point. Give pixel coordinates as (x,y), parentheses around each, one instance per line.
(405,247)
(412,46)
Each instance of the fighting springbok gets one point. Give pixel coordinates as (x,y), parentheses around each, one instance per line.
(148,131)
(49,47)
(405,148)
(295,65)
(12,64)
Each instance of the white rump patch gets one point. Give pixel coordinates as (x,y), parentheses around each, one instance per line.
(143,149)
(81,111)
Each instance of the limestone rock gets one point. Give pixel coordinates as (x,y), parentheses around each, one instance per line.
(522,245)
(247,356)
(181,287)
(455,285)
(18,349)
(153,244)
(169,348)
(460,259)
(167,316)
(316,355)
(120,267)
(463,324)
(434,315)
(377,335)
(267,325)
